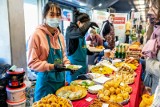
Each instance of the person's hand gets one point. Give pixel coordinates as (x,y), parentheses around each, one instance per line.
(72,72)
(93,24)
(59,67)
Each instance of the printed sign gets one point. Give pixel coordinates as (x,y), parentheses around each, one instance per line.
(99,17)
(66,15)
(119,26)
(119,20)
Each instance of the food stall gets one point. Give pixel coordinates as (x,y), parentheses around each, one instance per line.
(107,83)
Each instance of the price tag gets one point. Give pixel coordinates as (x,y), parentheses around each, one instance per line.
(105,105)
(89,99)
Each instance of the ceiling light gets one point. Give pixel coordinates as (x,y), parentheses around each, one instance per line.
(139,2)
(141,9)
(140,6)
(100,4)
(82,4)
(132,9)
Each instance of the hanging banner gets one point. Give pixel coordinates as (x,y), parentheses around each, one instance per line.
(66,16)
(99,17)
(119,25)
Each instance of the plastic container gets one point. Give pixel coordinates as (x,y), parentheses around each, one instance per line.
(107,53)
(15,78)
(18,104)
(16,95)
(116,61)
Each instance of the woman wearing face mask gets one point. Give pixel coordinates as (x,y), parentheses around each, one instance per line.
(151,49)
(46,53)
(76,44)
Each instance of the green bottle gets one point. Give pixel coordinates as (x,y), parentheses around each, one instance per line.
(116,53)
(120,52)
(123,52)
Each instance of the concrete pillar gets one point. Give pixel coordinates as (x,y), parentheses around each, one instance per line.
(5,51)
(15,30)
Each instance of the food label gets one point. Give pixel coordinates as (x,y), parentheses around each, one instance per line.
(105,105)
(89,99)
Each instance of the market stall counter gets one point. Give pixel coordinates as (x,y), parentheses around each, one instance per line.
(134,96)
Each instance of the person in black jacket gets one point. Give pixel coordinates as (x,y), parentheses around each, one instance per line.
(76,44)
(107,31)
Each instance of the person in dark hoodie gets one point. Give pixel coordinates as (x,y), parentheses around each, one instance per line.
(76,44)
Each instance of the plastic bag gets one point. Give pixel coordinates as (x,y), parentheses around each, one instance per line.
(156,96)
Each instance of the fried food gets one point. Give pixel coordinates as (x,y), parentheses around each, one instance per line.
(96,103)
(52,101)
(102,70)
(114,91)
(112,104)
(99,47)
(72,92)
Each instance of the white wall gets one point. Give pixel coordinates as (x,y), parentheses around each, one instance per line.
(5,52)
(12,33)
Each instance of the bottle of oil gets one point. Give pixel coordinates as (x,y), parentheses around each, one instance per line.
(116,53)
(120,51)
(123,54)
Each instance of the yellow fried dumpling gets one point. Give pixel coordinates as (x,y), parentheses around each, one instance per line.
(128,89)
(101,95)
(116,85)
(105,98)
(125,95)
(119,99)
(106,86)
(109,83)
(112,90)
(107,93)
(113,98)
(119,95)
(118,91)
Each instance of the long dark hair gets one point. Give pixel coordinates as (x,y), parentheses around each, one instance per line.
(155,4)
(49,6)
(82,17)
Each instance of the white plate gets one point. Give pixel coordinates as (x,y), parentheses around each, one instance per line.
(94,89)
(93,49)
(74,67)
(101,80)
(94,75)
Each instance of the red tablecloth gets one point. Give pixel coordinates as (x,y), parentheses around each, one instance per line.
(134,97)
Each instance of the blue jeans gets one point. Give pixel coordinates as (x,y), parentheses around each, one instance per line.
(143,63)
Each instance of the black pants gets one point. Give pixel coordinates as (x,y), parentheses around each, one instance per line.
(127,39)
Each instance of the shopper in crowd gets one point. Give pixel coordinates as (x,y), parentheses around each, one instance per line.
(76,44)
(46,53)
(95,38)
(149,30)
(151,49)
(107,31)
(127,36)
(128,29)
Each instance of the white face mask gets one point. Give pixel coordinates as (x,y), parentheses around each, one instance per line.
(53,22)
